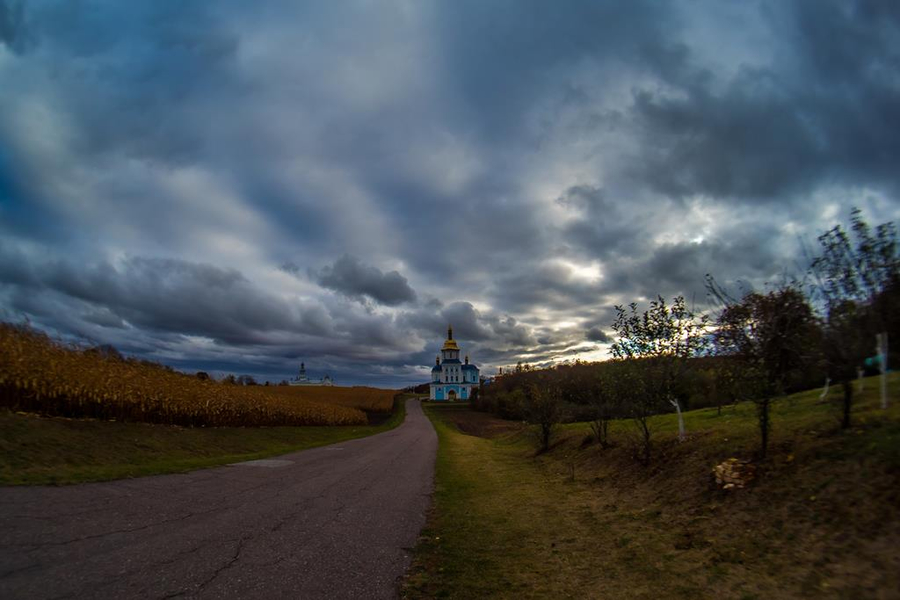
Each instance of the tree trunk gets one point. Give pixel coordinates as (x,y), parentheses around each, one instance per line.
(848,403)
(680,419)
(646,448)
(763,408)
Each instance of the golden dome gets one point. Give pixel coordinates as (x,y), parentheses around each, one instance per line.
(450,344)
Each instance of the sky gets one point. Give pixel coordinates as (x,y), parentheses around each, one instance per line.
(236,187)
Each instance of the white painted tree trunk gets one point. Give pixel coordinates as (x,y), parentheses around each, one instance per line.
(882,348)
(677,406)
(825,389)
(860,386)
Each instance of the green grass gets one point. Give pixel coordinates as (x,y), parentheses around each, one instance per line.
(821,520)
(40,450)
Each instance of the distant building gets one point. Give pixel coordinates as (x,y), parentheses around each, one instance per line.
(451,379)
(302,379)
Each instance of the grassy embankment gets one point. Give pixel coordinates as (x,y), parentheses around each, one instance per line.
(54,450)
(821,520)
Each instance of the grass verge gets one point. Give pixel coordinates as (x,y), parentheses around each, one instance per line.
(821,520)
(42,450)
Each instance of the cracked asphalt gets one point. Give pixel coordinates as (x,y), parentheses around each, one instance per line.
(331,522)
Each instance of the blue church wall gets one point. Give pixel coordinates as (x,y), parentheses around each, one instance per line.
(442,392)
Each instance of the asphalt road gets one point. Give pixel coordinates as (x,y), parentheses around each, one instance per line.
(332,522)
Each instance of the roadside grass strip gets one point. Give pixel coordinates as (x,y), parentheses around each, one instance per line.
(53,450)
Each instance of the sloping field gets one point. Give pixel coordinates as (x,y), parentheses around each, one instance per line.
(40,375)
(363,398)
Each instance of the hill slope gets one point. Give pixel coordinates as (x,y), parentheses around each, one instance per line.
(822,519)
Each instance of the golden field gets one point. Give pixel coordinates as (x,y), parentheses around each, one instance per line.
(40,375)
(363,398)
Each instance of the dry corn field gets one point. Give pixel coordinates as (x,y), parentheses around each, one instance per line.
(40,375)
(364,398)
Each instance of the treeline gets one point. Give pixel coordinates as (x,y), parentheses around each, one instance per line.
(708,382)
(820,328)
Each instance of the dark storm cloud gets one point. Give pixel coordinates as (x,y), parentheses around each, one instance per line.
(506,54)
(11,13)
(509,331)
(171,295)
(680,268)
(595,334)
(290,267)
(826,113)
(103,317)
(432,321)
(352,278)
(549,285)
(134,73)
(606,227)
(530,165)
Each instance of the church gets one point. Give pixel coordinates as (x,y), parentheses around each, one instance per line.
(451,379)
(302,379)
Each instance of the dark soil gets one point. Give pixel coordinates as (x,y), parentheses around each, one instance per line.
(472,422)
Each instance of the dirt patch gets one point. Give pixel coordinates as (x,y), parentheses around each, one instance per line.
(480,424)
(378,417)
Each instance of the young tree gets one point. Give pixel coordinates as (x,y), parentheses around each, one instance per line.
(246,380)
(664,338)
(852,281)
(628,378)
(543,407)
(773,335)
(601,395)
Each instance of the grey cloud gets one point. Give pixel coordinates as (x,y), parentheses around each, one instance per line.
(355,280)
(290,267)
(547,285)
(511,332)
(466,321)
(11,17)
(150,307)
(508,54)
(606,227)
(136,76)
(431,322)
(178,296)
(823,115)
(482,145)
(679,268)
(595,334)
(103,317)
(485,336)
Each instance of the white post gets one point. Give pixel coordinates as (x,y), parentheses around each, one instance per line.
(825,390)
(680,419)
(882,348)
